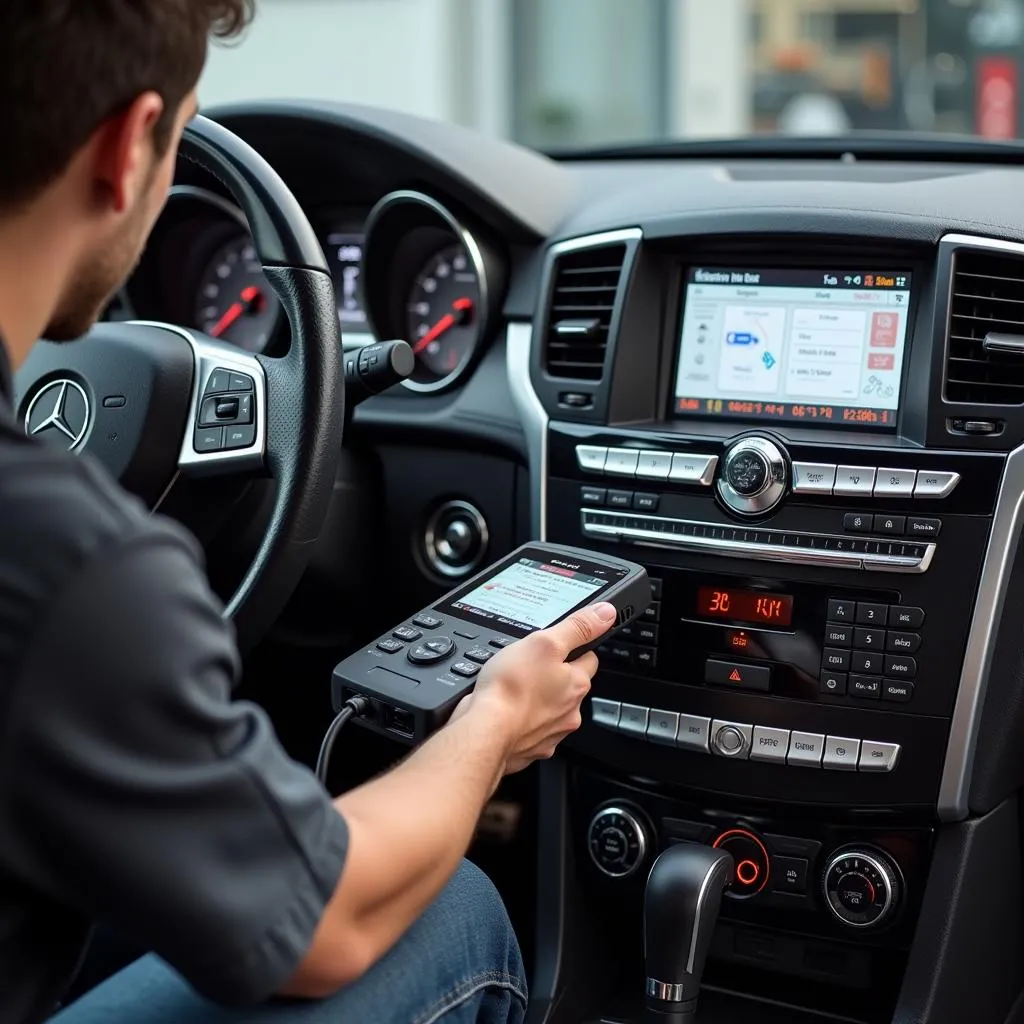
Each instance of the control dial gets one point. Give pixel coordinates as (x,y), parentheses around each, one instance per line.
(753,476)
(862,887)
(618,841)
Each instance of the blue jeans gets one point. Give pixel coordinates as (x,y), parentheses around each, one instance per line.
(458,964)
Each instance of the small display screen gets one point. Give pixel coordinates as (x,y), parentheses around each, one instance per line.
(533,593)
(751,606)
(803,346)
(345,255)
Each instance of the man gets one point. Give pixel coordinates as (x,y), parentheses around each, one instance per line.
(132,790)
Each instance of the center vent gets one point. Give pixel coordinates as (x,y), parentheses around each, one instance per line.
(582,305)
(985,360)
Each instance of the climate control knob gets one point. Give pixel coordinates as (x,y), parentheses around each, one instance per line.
(753,476)
(618,841)
(862,887)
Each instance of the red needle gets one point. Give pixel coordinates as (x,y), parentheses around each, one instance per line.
(462,310)
(249,299)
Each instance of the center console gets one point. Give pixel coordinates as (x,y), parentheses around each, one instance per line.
(829,539)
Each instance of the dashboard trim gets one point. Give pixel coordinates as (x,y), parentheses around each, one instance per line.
(534,419)
(1007,523)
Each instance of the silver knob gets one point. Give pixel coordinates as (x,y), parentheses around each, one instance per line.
(729,741)
(753,476)
(862,887)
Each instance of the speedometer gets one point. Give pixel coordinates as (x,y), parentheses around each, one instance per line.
(235,300)
(444,315)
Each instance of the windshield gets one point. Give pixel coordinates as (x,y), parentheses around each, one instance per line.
(573,74)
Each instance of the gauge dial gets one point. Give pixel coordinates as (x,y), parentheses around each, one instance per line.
(444,314)
(235,301)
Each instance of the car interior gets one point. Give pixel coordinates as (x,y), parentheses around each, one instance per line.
(785,376)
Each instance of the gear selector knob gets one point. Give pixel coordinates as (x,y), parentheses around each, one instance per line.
(684,892)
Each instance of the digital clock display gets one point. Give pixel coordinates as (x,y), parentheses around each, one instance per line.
(750,606)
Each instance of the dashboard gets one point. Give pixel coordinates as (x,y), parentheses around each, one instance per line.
(788,377)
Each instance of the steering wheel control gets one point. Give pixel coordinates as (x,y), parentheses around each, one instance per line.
(862,887)
(751,863)
(618,841)
(425,666)
(227,415)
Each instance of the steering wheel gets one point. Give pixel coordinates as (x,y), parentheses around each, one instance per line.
(158,404)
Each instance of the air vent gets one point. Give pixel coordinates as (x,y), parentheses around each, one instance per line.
(582,304)
(988,303)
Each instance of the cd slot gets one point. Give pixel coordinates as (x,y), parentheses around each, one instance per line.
(833,551)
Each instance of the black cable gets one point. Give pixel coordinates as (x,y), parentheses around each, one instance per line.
(354,706)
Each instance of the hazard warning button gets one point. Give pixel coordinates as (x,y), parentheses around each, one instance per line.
(738,674)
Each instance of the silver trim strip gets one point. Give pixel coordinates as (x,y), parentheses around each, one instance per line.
(746,549)
(212,355)
(958,767)
(665,991)
(534,420)
(595,241)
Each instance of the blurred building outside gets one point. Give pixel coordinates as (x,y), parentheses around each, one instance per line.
(573,73)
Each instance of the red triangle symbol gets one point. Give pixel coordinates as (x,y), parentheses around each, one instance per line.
(735,676)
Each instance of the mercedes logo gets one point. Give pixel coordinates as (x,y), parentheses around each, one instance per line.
(59,414)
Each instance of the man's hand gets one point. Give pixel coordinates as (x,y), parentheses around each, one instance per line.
(532,693)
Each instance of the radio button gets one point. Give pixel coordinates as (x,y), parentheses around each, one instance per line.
(646,656)
(935,485)
(693,469)
(731,739)
(895,483)
(733,673)
(769,744)
(806,748)
(891,524)
(872,614)
(841,753)
(591,458)
(813,477)
(620,499)
(878,757)
(902,643)
(652,613)
(840,610)
(655,589)
(662,727)
(838,635)
(645,502)
(645,633)
(869,639)
(855,522)
(865,687)
(833,683)
(905,668)
(694,733)
(906,617)
(655,465)
(867,661)
(593,495)
(633,719)
(835,659)
(605,712)
(919,527)
(854,481)
(897,690)
(621,461)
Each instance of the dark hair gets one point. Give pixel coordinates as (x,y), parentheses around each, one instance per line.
(68,65)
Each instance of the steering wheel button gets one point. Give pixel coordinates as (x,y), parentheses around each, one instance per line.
(244,413)
(240,382)
(209,440)
(240,437)
(226,408)
(220,380)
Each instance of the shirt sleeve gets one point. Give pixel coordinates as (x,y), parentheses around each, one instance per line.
(137,792)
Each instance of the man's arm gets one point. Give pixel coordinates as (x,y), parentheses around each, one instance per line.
(409,829)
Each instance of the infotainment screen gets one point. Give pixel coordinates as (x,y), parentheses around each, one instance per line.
(803,346)
(532,593)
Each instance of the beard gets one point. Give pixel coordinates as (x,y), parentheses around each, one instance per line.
(97,279)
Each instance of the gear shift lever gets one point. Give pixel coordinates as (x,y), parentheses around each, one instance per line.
(684,892)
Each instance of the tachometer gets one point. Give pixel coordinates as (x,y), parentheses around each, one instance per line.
(444,315)
(235,300)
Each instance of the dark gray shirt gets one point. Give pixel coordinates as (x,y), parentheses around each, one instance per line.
(133,790)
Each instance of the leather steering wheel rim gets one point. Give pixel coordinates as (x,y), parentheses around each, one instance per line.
(305,388)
